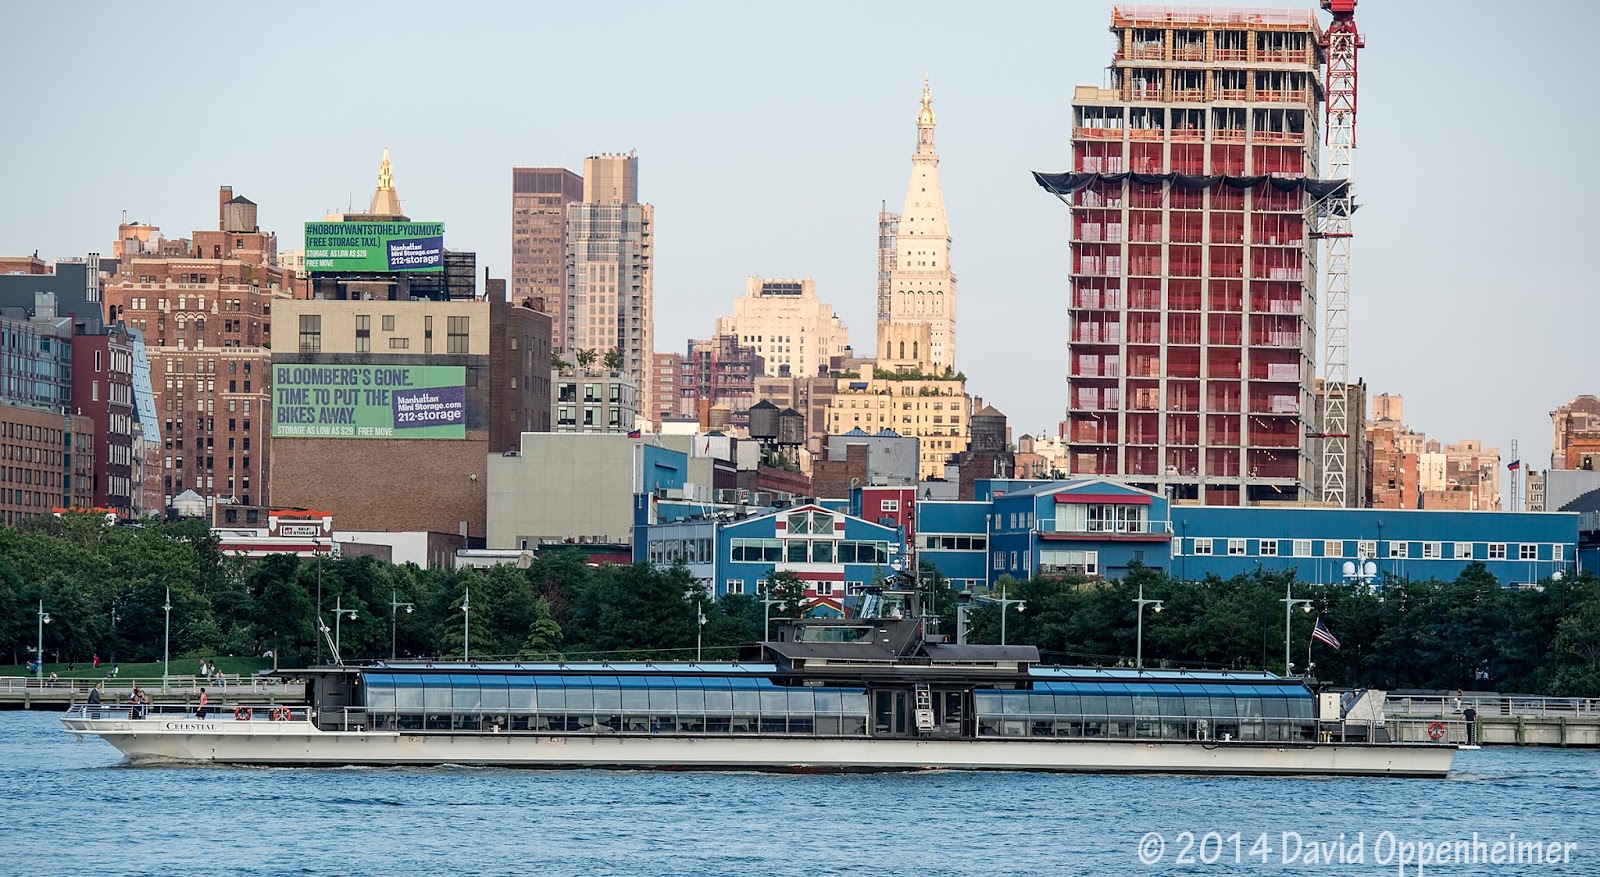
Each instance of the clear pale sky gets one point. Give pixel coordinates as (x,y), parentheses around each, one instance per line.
(768,136)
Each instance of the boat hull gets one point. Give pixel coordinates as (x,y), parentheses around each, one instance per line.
(298,743)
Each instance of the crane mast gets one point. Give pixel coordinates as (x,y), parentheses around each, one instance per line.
(1340,42)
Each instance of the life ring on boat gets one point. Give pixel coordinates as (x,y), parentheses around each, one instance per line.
(1436,730)
(241,714)
(280,714)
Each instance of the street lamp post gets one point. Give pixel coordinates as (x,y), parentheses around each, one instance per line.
(38,666)
(1138,660)
(166,639)
(317,550)
(766,614)
(338,615)
(1003,603)
(1289,602)
(699,629)
(466,623)
(394,617)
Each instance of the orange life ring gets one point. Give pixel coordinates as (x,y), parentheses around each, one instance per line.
(1436,730)
(280,714)
(241,714)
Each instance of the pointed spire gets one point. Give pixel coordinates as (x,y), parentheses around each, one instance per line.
(925,122)
(926,116)
(385,200)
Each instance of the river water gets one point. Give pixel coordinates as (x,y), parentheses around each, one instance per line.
(75,808)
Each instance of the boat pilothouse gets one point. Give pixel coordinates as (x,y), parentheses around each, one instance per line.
(916,685)
(875,692)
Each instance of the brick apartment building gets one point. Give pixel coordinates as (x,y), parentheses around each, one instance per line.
(204,307)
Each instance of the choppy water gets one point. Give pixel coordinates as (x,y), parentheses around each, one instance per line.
(75,808)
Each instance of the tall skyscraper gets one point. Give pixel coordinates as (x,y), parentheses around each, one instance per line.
(539,199)
(795,332)
(1193,275)
(609,269)
(921,324)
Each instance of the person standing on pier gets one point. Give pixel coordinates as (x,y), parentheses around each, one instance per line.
(94,693)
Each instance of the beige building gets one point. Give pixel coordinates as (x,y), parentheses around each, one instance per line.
(1410,470)
(935,412)
(791,329)
(922,286)
(610,275)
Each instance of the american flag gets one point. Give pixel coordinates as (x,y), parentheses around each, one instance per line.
(1324,634)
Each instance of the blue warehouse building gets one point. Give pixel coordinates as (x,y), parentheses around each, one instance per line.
(1516,547)
(1098,528)
(835,553)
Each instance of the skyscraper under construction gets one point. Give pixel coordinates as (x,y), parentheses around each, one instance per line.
(1193,276)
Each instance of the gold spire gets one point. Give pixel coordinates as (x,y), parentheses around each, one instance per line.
(385,200)
(926,116)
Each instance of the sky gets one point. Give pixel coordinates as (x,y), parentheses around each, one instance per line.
(769,136)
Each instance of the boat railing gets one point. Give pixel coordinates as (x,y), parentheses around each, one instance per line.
(1217,729)
(1446,706)
(231,682)
(215,712)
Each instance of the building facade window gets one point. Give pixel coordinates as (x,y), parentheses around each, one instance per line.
(363,333)
(1333,548)
(1399,549)
(1269,548)
(310,333)
(1558,552)
(457,331)
(734,586)
(1235,547)
(1463,551)
(1497,551)
(1302,548)
(1430,551)
(1202,547)
(1528,551)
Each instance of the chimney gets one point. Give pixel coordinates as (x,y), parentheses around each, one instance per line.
(224,195)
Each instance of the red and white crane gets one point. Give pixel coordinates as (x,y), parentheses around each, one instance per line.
(1340,41)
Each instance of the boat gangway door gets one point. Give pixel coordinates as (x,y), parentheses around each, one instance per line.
(889,712)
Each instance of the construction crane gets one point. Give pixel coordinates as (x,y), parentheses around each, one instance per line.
(1340,41)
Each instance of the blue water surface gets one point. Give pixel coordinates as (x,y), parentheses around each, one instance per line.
(76,808)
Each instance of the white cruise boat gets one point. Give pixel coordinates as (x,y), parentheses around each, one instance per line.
(871,694)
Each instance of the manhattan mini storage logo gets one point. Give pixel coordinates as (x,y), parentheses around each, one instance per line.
(410,254)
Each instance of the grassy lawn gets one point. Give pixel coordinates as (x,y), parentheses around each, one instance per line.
(180,667)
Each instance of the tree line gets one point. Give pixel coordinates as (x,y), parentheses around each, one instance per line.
(105,588)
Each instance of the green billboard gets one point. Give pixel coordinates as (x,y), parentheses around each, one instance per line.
(369,401)
(374,246)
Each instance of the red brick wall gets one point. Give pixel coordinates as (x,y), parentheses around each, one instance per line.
(386,484)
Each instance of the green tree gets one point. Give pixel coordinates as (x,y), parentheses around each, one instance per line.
(613,359)
(544,634)
(586,357)
(791,589)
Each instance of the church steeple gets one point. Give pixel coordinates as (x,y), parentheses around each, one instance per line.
(925,123)
(385,200)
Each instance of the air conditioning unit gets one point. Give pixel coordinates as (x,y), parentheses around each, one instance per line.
(727,496)
(761,498)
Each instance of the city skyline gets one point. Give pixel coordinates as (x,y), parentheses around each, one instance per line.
(693,88)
